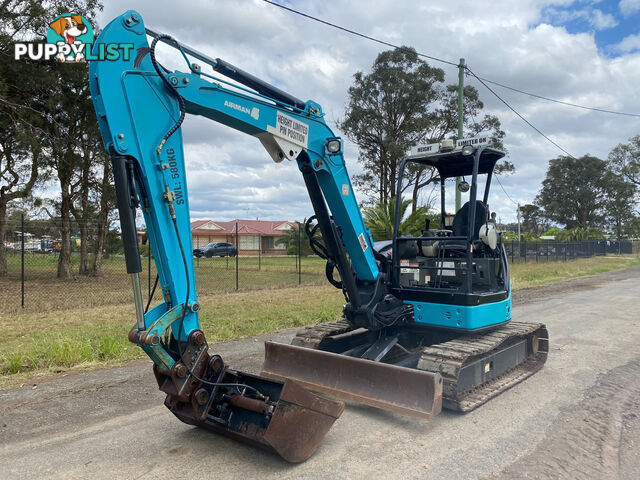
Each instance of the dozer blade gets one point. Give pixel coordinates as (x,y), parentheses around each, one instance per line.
(389,387)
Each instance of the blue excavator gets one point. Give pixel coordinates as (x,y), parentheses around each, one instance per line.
(427,320)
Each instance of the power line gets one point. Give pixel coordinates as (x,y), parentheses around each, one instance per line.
(505,192)
(517,113)
(602,110)
(453,64)
(353,32)
(358,34)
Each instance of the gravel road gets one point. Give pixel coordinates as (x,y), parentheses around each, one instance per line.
(577,418)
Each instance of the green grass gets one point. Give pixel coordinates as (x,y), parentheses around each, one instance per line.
(56,340)
(90,337)
(535,274)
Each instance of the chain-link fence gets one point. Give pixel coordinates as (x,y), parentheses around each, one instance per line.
(553,251)
(31,280)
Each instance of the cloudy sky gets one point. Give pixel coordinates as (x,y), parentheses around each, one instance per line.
(584,52)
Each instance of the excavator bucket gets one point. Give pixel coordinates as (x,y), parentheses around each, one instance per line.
(290,421)
(389,387)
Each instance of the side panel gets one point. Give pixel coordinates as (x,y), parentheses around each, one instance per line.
(461,317)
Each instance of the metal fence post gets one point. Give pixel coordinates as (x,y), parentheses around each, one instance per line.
(237,254)
(149,265)
(299,256)
(259,251)
(525,251)
(512,256)
(22,261)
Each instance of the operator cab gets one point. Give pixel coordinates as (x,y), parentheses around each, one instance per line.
(455,274)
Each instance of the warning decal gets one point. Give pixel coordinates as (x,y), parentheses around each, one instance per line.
(290,129)
(345,189)
(363,242)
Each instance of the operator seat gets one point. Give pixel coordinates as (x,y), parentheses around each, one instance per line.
(461,220)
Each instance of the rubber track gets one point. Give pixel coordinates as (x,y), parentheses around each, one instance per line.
(448,358)
(312,337)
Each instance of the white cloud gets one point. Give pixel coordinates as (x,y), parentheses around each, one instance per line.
(629,7)
(230,175)
(596,18)
(601,21)
(628,44)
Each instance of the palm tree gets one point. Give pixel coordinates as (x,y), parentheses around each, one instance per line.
(291,237)
(579,234)
(379,219)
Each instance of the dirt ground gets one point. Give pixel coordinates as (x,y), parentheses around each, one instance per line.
(577,418)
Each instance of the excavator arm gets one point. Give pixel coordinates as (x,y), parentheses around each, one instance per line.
(140,105)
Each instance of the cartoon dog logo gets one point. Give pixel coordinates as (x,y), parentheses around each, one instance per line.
(70,31)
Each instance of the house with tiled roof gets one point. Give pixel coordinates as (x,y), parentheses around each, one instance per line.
(253,236)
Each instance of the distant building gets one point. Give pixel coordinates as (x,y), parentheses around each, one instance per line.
(254,236)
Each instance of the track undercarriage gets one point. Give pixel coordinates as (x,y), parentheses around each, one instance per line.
(471,369)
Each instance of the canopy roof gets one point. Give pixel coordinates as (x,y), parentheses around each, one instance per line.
(454,164)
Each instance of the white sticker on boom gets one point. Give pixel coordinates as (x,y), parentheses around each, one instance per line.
(290,129)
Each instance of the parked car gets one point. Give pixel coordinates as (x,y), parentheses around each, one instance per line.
(216,249)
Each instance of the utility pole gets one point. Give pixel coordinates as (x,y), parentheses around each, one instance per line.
(518,230)
(460,122)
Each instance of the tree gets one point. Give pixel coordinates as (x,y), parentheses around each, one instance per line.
(625,158)
(379,219)
(573,191)
(632,229)
(578,234)
(20,157)
(23,86)
(30,100)
(294,235)
(388,112)
(90,189)
(619,202)
(107,203)
(401,103)
(532,219)
(446,126)
(70,111)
